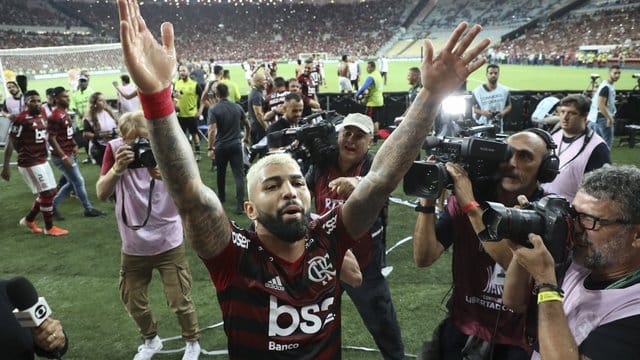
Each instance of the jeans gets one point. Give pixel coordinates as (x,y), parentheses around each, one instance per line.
(605,132)
(75,182)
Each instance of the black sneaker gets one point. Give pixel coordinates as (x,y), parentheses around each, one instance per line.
(57,216)
(93,213)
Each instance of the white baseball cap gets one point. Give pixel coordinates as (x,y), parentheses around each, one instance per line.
(361,121)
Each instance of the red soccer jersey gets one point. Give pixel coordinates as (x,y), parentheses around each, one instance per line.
(273,309)
(273,100)
(327,199)
(60,125)
(29,134)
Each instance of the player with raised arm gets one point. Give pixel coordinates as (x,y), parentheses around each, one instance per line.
(277,286)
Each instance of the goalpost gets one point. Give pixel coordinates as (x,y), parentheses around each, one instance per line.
(61,61)
(324,56)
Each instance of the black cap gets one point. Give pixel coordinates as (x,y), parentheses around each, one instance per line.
(49,91)
(57,90)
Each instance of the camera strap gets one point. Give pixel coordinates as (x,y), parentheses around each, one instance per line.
(149,205)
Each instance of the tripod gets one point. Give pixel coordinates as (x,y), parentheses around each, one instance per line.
(593,85)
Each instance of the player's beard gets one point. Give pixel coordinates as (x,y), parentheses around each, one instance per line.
(290,231)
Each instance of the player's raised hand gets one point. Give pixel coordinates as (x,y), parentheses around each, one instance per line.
(446,71)
(150,64)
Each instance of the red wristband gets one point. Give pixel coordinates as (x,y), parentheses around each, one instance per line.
(470,206)
(157,105)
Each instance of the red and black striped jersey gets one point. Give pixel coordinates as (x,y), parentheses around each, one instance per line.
(60,125)
(29,134)
(274,309)
(273,100)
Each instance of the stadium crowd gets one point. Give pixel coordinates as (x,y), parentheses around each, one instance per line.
(33,13)
(561,38)
(282,32)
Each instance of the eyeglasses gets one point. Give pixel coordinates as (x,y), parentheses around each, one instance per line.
(590,222)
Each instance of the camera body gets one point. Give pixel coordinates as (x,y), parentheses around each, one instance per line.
(143,156)
(549,217)
(636,76)
(479,156)
(316,141)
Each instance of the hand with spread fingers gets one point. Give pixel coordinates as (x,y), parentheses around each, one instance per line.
(444,73)
(150,64)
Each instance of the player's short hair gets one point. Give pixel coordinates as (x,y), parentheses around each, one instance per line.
(222,90)
(292,97)
(279,82)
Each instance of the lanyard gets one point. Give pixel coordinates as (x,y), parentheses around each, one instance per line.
(629,279)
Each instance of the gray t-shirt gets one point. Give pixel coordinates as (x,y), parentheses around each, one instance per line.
(256,98)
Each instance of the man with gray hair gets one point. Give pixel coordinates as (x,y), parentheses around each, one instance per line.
(594,312)
(331,183)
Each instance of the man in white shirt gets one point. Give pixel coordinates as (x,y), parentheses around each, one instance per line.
(127,95)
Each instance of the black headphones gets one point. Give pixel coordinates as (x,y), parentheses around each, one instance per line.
(550,163)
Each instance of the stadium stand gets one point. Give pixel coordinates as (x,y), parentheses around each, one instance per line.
(282,31)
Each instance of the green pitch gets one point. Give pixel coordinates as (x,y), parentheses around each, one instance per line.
(78,274)
(516,77)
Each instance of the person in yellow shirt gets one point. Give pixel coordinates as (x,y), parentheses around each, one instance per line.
(186,93)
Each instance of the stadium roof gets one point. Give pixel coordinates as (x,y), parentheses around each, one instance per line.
(192,2)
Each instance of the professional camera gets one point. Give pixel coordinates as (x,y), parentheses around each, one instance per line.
(479,156)
(316,141)
(594,77)
(550,217)
(636,76)
(143,157)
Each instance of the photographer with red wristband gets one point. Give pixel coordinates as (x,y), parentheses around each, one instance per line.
(478,323)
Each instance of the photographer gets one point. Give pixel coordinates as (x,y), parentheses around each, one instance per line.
(478,323)
(595,313)
(603,107)
(491,100)
(152,238)
(580,150)
(331,185)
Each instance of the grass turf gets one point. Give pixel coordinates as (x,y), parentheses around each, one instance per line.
(516,77)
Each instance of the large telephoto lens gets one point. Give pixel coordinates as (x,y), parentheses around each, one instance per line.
(511,223)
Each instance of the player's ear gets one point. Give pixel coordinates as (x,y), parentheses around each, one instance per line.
(251,210)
